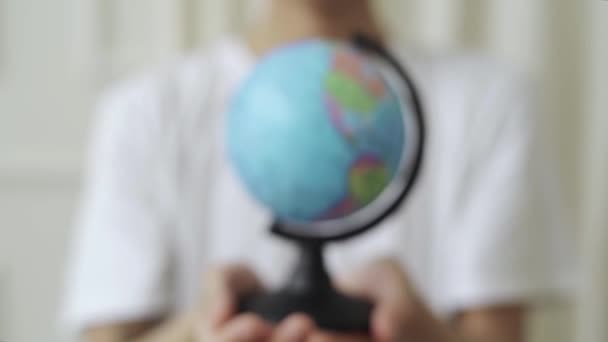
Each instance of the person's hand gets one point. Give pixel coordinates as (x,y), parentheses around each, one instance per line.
(221,323)
(398,315)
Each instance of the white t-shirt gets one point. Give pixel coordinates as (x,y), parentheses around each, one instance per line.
(484,224)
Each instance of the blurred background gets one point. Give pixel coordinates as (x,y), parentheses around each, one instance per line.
(56,55)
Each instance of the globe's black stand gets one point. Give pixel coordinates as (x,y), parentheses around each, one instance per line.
(309,291)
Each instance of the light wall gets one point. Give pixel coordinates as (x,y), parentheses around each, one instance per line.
(55,55)
(594,299)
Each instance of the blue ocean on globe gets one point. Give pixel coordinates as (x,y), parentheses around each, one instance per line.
(316,132)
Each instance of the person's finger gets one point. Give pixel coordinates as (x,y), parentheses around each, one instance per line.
(386,324)
(244,328)
(386,286)
(296,328)
(234,279)
(321,336)
(224,285)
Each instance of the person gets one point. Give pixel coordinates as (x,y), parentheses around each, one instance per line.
(168,238)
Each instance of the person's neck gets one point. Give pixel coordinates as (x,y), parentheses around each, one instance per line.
(290,20)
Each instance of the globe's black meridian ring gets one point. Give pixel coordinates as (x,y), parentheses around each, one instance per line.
(282,228)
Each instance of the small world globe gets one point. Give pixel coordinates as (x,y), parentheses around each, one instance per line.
(316,132)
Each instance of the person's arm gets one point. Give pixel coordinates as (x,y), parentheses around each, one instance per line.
(178,329)
(214,320)
(400,315)
(120,252)
(496,324)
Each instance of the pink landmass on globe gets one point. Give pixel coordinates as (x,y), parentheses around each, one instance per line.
(351,66)
(336,116)
(359,170)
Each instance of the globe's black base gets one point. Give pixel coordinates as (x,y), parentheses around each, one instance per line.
(309,292)
(331,311)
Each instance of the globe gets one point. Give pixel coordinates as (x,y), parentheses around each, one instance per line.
(316,132)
